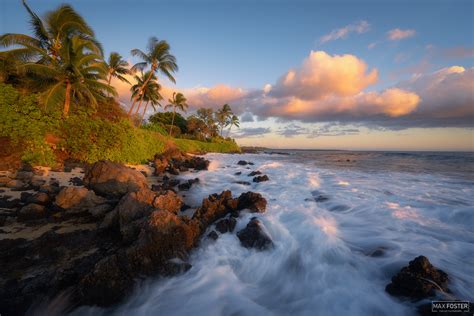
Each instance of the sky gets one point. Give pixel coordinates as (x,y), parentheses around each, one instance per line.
(387,75)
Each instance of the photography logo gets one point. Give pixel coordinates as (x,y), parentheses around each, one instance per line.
(450,306)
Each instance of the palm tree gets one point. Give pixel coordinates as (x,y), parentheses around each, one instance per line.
(63,54)
(234,121)
(117,68)
(222,116)
(159,59)
(178,101)
(143,90)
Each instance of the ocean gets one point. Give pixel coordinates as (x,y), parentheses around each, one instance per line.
(343,223)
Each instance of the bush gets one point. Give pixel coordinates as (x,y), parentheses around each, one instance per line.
(26,124)
(165,119)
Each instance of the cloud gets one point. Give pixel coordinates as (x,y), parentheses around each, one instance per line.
(214,96)
(332,130)
(292,130)
(359,27)
(399,34)
(322,74)
(251,132)
(247,117)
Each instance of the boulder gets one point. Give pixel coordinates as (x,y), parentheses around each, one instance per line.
(244,163)
(168,201)
(419,280)
(185,186)
(242,182)
(255,236)
(213,235)
(17,185)
(24,176)
(31,211)
(254,202)
(238,173)
(112,179)
(254,173)
(226,225)
(78,199)
(216,206)
(260,178)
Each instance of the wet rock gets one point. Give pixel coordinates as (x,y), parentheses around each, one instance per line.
(213,235)
(243,182)
(31,211)
(185,186)
(238,173)
(244,163)
(255,236)
(420,279)
(115,180)
(36,182)
(260,178)
(4,180)
(168,201)
(254,173)
(77,199)
(76,181)
(24,176)
(252,201)
(8,202)
(319,197)
(17,185)
(216,206)
(226,225)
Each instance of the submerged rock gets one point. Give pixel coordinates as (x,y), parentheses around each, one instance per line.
(226,225)
(255,236)
(185,186)
(260,178)
(254,173)
(420,279)
(31,211)
(244,163)
(114,180)
(252,201)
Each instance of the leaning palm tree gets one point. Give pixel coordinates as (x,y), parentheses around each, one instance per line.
(234,121)
(222,116)
(48,35)
(159,59)
(152,96)
(177,102)
(63,54)
(78,77)
(117,68)
(138,90)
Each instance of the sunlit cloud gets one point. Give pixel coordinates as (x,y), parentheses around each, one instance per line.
(359,27)
(399,34)
(251,132)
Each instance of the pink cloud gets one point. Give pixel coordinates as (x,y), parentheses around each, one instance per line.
(343,32)
(399,34)
(322,75)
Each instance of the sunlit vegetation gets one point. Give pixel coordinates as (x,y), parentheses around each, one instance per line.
(57,100)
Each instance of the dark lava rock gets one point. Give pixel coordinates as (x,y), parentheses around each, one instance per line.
(213,235)
(244,163)
(254,173)
(420,279)
(243,182)
(319,197)
(7,202)
(31,212)
(113,180)
(226,225)
(255,236)
(238,173)
(255,202)
(185,186)
(76,181)
(173,161)
(260,178)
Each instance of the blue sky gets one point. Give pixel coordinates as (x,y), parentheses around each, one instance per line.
(245,44)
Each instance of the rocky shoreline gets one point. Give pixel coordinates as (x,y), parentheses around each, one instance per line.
(85,235)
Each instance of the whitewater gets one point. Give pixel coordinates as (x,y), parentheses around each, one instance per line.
(342,225)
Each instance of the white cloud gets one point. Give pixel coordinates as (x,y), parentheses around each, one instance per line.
(343,32)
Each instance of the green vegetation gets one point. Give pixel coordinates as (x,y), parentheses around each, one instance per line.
(57,101)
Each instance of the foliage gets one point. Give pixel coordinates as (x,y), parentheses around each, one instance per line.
(194,146)
(165,118)
(25,123)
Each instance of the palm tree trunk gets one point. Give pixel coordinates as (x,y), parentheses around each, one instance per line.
(152,70)
(228,132)
(139,106)
(131,108)
(108,82)
(172,120)
(67,100)
(143,114)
